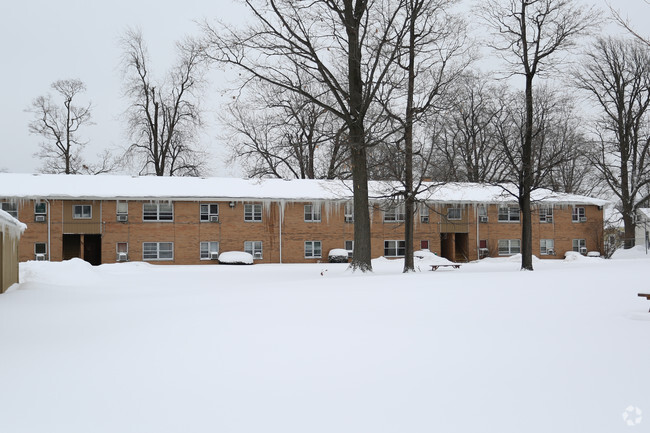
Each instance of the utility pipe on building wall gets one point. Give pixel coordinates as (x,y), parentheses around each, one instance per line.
(49,244)
(280,225)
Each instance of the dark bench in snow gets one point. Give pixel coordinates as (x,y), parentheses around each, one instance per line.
(436,266)
(645,295)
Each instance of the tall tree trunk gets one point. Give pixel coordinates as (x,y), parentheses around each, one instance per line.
(409,199)
(527,182)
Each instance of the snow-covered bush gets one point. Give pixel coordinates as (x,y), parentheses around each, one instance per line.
(338,255)
(235,258)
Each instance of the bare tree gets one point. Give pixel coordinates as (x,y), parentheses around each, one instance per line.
(58,124)
(530,34)
(346,46)
(282,134)
(163,117)
(616,74)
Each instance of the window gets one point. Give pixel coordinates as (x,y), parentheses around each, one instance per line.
(157,212)
(424,213)
(454,213)
(122,250)
(580,245)
(483,250)
(349,246)
(546,214)
(394,248)
(482,243)
(252,212)
(578,215)
(312,212)
(313,250)
(210,212)
(394,214)
(209,250)
(158,251)
(82,211)
(349,212)
(254,248)
(40,251)
(10,208)
(122,208)
(424,245)
(40,208)
(509,214)
(509,247)
(546,247)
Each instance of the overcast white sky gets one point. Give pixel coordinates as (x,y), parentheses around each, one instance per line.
(42,41)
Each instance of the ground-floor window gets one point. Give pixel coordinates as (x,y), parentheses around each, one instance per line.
(122,249)
(394,248)
(580,246)
(40,251)
(209,250)
(508,247)
(424,245)
(546,247)
(349,246)
(158,251)
(254,248)
(313,250)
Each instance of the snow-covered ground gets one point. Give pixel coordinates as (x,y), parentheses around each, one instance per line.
(314,348)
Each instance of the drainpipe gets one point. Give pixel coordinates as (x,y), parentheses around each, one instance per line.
(49,244)
(280,225)
(478,237)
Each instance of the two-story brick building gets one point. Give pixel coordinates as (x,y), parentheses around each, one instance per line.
(107,219)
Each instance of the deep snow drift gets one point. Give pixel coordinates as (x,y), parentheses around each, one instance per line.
(313,348)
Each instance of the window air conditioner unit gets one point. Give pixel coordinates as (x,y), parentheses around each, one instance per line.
(257,256)
(214,219)
(583,219)
(39,218)
(550,252)
(122,257)
(549,219)
(482,219)
(424,218)
(122,218)
(214,255)
(40,257)
(583,250)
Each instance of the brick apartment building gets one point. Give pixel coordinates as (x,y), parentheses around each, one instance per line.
(108,219)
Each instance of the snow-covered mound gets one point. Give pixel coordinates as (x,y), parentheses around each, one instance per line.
(235,258)
(637,252)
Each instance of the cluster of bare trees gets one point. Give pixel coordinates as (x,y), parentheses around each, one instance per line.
(385,89)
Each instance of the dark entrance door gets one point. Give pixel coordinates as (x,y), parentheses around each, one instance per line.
(71,246)
(93,249)
(447,246)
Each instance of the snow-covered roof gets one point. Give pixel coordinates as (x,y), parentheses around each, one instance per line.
(10,225)
(645,212)
(34,186)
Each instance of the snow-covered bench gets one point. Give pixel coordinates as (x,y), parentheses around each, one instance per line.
(645,295)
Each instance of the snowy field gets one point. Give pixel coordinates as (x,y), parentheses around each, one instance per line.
(313,348)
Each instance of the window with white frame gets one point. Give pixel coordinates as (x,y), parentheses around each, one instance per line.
(253,212)
(40,209)
(313,250)
(508,247)
(349,246)
(454,213)
(40,251)
(158,251)
(508,214)
(580,246)
(209,212)
(209,250)
(122,251)
(578,215)
(546,214)
(349,212)
(157,212)
(546,247)
(254,248)
(122,208)
(394,214)
(82,211)
(424,213)
(312,213)
(10,208)
(394,248)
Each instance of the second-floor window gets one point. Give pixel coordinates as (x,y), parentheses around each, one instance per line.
(122,208)
(509,214)
(312,212)
(82,211)
(454,213)
(157,212)
(10,208)
(424,213)
(349,212)
(394,214)
(546,214)
(252,212)
(40,211)
(210,212)
(579,215)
